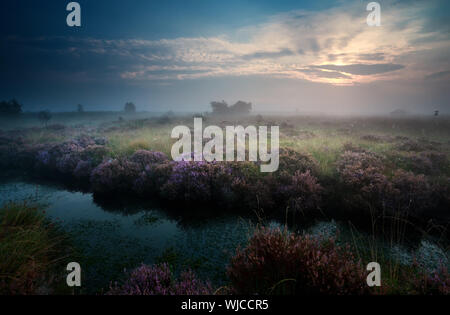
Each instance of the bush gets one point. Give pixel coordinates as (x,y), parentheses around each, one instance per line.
(421,282)
(413,192)
(292,161)
(197,182)
(276,262)
(429,162)
(153,178)
(144,158)
(114,176)
(361,174)
(300,192)
(159,280)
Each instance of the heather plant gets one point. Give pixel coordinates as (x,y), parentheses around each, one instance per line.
(197,181)
(367,186)
(292,161)
(362,176)
(350,147)
(114,176)
(279,262)
(429,163)
(160,280)
(301,192)
(144,158)
(95,154)
(420,282)
(414,145)
(372,138)
(83,170)
(153,178)
(414,194)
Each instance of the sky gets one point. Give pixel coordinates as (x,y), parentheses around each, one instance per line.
(179,55)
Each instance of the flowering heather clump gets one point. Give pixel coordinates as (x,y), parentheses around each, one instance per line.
(292,161)
(197,181)
(301,192)
(144,157)
(414,193)
(429,162)
(159,280)
(60,157)
(361,173)
(249,193)
(83,170)
(153,178)
(95,154)
(348,146)
(423,283)
(116,175)
(67,163)
(277,262)
(417,146)
(373,138)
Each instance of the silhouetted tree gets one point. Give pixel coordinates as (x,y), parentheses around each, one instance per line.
(44,116)
(130,108)
(219,108)
(80,108)
(240,108)
(11,107)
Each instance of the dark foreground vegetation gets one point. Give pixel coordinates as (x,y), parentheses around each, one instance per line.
(387,176)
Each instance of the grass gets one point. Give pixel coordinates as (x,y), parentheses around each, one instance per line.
(30,249)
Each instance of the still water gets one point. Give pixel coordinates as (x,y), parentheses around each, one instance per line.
(110,238)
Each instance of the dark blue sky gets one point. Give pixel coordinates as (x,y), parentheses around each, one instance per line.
(179,55)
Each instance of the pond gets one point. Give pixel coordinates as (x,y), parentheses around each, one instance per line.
(110,237)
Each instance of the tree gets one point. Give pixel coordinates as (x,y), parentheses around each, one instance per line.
(130,108)
(44,116)
(240,108)
(219,108)
(11,107)
(80,108)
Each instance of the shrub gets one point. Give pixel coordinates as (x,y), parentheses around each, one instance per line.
(197,181)
(153,178)
(95,154)
(413,192)
(348,146)
(114,176)
(292,161)
(429,162)
(83,170)
(301,192)
(372,138)
(423,283)
(362,176)
(144,158)
(159,280)
(277,262)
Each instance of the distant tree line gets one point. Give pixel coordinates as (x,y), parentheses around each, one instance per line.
(130,108)
(12,107)
(222,108)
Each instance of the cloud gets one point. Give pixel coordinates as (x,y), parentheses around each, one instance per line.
(363,69)
(333,46)
(269,54)
(438,75)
